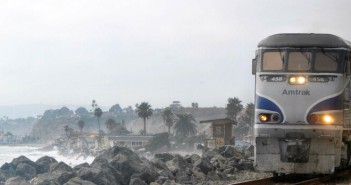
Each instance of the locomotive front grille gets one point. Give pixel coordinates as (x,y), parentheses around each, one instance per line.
(294,150)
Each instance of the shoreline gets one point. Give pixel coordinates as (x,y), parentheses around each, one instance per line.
(25,144)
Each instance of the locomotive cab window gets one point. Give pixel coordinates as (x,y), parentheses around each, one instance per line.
(326,61)
(299,61)
(273,61)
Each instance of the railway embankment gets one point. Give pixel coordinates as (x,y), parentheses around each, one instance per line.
(121,166)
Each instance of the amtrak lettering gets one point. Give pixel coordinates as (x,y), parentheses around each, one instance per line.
(296,92)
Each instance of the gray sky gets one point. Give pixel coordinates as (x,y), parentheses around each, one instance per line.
(68,52)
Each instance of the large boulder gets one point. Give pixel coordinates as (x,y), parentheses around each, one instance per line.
(213,176)
(97,175)
(59,173)
(170,182)
(43,181)
(249,151)
(178,163)
(6,174)
(245,165)
(218,162)
(229,151)
(25,170)
(61,166)
(164,157)
(100,172)
(17,181)
(162,169)
(128,163)
(23,159)
(76,168)
(200,163)
(8,166)
(136,181)
(78,181)
(184,177)
(44,163)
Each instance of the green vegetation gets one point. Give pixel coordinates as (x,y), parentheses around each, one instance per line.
(168,118)
(81,125)
(246,121)
(116,128)
(144,111)
(98,114)
(185,125)
(160,140)
(234,107)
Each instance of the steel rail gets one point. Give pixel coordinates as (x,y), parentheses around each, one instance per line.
(328,179)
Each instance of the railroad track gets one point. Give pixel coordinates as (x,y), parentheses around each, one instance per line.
(332,179)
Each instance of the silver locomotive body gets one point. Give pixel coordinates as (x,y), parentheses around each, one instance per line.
(302,103)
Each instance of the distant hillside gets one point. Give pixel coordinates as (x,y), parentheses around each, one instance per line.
(29,110)
(49,128)
(53,127)
(155,124)
(19,126)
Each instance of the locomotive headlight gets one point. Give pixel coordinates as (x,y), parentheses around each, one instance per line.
(297,80)
(263,117)
(328,119)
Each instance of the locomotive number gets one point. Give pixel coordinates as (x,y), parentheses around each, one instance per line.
(318,79)
(276,79)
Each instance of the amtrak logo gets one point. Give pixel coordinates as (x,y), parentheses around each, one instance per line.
(296,92)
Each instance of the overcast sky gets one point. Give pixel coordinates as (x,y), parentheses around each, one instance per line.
(68,52)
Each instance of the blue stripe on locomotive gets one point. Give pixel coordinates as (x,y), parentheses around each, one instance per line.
(266,104)
(334,103)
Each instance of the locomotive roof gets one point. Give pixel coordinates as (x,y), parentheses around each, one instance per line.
(304,40)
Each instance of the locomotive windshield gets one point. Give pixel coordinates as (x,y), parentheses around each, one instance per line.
(301,61)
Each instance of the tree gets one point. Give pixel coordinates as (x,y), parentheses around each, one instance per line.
(116,109)
(98,114)
(64,112)
(66,129)
(185,125)
(94,104)
(68,132)
(168,118)
(246,121)
(194,105)
(111,124)
(144,111)
(81,125)
(81,111)
(234,107)
(58,113)
(250,116)
(158,141)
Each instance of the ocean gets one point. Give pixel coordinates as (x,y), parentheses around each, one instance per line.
(7,153)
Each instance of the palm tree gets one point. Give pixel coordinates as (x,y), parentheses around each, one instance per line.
(185,125)
(144,111)
(68,131)
(168,118)
(81,125)
(98,114)
(66,128)
(234,106)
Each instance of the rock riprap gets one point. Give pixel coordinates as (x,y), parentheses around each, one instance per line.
(121,166)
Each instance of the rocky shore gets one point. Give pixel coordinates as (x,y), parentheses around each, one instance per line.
(121,166)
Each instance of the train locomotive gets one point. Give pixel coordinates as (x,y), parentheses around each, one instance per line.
(302,103)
